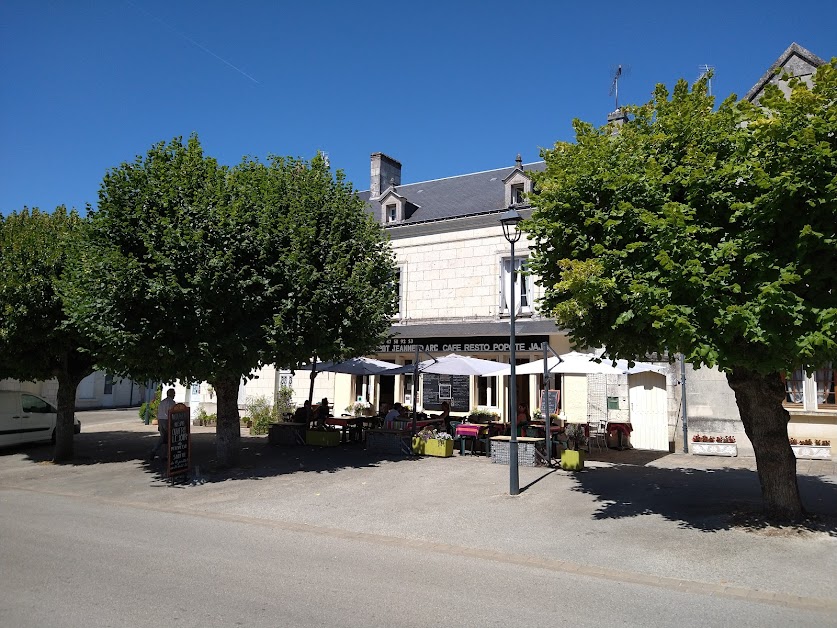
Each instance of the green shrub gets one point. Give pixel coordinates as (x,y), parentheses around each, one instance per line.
(260,411)
(284,402)
(152,413)
(206,419)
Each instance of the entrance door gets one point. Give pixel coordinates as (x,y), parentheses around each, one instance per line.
(387,388)
(649,416)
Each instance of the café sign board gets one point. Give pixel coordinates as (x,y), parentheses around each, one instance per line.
(466,345)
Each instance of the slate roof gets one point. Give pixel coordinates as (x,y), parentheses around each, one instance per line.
(807,59)
(453,197)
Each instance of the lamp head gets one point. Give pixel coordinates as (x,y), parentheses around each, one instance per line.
(511,221)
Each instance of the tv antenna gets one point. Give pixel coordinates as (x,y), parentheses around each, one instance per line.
(707,71)
(617,72)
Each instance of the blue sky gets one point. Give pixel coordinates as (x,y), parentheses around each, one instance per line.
(444,87)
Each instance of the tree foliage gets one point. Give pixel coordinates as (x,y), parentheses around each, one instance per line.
(196,271)
(37,340)
(705,231)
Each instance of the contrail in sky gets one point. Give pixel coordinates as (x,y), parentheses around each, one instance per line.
(193,42)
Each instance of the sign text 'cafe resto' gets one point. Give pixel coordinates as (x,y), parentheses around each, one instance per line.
(476,344)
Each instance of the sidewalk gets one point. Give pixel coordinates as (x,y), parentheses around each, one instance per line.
(652,518)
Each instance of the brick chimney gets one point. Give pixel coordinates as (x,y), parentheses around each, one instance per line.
(384,171)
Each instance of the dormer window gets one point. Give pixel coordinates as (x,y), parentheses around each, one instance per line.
(392,213)
(517,184)
(517,194)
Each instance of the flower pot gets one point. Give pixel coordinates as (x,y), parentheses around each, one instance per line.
(715,449)
(572,460)
(812,452)
(329,438)
(433,447)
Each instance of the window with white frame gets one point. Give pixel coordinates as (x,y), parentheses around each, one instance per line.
(794,386)
(522,286)
(392,213)
(826,381)
(517,194)
(487,391)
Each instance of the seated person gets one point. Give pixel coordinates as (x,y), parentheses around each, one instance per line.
(396,412)
(303,414)
(523,418)
(445,415)
(323,412)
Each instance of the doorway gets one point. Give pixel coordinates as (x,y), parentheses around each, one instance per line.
(387,388)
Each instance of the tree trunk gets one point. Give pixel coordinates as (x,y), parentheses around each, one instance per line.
(759,398)
(228,427)
(64,424)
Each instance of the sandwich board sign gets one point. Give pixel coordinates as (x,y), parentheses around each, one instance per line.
(180,442)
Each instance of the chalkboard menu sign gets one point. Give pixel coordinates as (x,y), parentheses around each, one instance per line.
(455,389)
(553,402)
(179,440)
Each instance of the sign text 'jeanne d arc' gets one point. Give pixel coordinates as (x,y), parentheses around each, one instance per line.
(468,345)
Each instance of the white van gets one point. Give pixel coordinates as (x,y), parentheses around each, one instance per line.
(26,418)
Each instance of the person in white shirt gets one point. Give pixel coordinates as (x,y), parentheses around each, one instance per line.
(395,413)
(163,423)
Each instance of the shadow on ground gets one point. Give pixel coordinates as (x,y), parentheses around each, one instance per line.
(704,499)
(258,459)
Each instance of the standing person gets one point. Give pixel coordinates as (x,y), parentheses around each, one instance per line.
(163,423)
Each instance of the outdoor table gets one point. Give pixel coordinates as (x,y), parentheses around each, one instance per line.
(498,428)
(622,429)
(471,431)
(351,426)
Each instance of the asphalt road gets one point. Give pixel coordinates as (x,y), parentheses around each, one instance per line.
(72,561)
(304,536)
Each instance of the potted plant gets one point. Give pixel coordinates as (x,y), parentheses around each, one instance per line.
(358,408)
(430,442)
(572,458)
(482,416)
(811,449)
(704,445)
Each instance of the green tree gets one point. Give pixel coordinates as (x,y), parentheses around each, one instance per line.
(196,271)
(707,232)
(37,340)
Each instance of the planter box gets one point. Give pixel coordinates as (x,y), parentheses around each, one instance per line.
(330,438)
(812,452)
(433,447)
(572,460)
(714,449)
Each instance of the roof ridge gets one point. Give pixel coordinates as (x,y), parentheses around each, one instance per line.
(467,174)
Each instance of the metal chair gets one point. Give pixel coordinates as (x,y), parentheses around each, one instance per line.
(597,435)
(452,432)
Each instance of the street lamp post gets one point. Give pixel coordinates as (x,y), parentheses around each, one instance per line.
(511,221)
